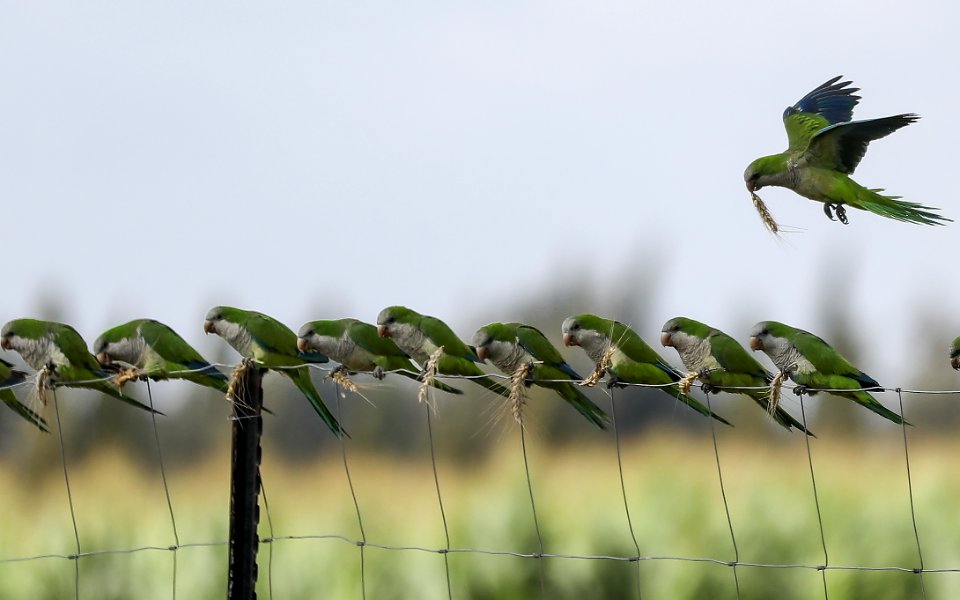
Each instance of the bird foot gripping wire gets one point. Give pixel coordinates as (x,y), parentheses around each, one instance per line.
(518,391)
(429,375)
(339,376)
(765,215)
(602,365)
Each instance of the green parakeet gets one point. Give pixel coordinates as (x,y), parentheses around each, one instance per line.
(45,344)
(511,345)
(722,363)
(273,345)
(813,365)
(357,346)
(158,352)
(10,377)
(420,336)
(955,354)
(824,149)
(631,359)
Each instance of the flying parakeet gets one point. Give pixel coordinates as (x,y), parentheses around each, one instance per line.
(811,363)
(631,360)
(45,344)
(10,377)
(511,345)
(420,336)
(722,363)
(157,352)
(357,346)
(824,148)
(272,344)
(955,354)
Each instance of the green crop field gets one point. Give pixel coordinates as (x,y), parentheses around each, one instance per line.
(672,489)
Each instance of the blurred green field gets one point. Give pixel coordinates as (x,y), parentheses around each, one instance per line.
(673,493)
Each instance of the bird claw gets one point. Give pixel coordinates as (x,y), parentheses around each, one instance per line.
(706,388)
(613,382)
(828,210)
(842,214)
(379,373)
(800,390)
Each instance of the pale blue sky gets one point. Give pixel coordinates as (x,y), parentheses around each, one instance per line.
(159,158)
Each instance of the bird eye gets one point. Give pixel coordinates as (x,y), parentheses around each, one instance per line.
(575,326)
(390,320)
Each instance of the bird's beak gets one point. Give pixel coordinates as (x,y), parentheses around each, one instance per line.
(569,340)
(755,344)
(302,345)
(752,187)
(5,343)
(382,331)
(482,353)
(955,362)
(103,358)
(665,338)
(208,326)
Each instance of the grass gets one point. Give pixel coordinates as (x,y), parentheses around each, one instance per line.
(672,489)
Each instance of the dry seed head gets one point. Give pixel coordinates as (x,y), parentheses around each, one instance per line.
(765,215)
(518,387)
(776,390)
(602,365)
(429,375)
(686,382)
(126,375)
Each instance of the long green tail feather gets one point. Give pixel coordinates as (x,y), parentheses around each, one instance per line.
(893,207)
(674,390)
(301,378)
(436,383)
(870,402)
(22,410)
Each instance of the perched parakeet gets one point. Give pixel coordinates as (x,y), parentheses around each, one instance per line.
(511,345)
(45,344)
(631,359)
(813,365)
(158,352)
(9,377)
(420,336)
(955,354)
(722,363)
(272,344)
(357,346)
(825,147)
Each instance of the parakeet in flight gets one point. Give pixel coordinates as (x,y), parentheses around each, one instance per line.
(44,344)
(631,360)
(722,363)
(358,347)
(813,365)
(420,336)
(273,345)
(511,345)
(824,149)
(955,354)
(158,352)
(9,377)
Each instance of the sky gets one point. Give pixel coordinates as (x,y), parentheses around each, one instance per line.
(159,158)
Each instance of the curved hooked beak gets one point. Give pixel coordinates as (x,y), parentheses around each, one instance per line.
(5,343)
(382,331)
(483,353)
(569,340)
(955,362)
(103,358)
(665,338)
(752,186)
(755,344)
(208,326)
(302,345)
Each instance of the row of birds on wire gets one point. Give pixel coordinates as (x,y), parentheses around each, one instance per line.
(148,349)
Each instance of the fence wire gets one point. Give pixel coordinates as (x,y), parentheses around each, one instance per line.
(540,555)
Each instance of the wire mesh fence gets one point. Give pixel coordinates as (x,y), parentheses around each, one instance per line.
(538,553)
